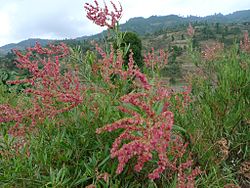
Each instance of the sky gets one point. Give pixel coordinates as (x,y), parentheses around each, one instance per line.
(61,19)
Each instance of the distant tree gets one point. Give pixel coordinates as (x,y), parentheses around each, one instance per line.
(172,38)
(159,32)
(226,30)
(165,35)
(182,37)
(135,44)
(207,32)
(217,26)
(235,31)
(223,37)
(8,61)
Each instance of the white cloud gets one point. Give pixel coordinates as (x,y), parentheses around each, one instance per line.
(22,19)
(5,24)
(182,7)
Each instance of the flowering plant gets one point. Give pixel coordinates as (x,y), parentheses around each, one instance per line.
(148,130)
(245,44)
(156,62)
(51,91)
(103,16)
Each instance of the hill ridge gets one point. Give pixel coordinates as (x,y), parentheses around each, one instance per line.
(144,26)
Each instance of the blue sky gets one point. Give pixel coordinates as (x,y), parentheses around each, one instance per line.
(59,19)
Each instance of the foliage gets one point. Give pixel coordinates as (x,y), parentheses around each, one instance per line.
(94,119)
(134,42)
(218,117)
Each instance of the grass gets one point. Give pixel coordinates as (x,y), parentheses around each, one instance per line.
(65,151)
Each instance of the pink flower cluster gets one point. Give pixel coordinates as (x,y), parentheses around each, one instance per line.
(7,114)
(146,134)
(211,52)
(190,30)
(147,131)
(185,179)
(113,64)
(245,44)
(154,61)
(103,16)
(182,99)
(51,91)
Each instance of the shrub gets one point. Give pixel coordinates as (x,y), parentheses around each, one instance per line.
(133,41)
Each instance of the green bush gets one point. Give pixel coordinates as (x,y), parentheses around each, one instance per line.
(134,42)
(218,117)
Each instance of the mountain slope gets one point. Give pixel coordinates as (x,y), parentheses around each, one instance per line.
(24,44)
(155,23)
(144,26)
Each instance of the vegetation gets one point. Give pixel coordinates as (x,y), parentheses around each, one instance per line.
(88,116)
(155,25)
(134,43)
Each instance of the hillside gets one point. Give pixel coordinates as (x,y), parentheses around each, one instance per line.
(150,25)
(154,23)
(23,44)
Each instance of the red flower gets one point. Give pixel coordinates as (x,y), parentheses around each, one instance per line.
(103,16)
(190,30)
(51,91)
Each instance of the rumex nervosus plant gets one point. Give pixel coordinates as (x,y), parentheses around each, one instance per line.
(149,129)
(112,65)
(154,61)
(147,132)
(51,91)
(219,112)
(103,16)
(149,141)
(245,43)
